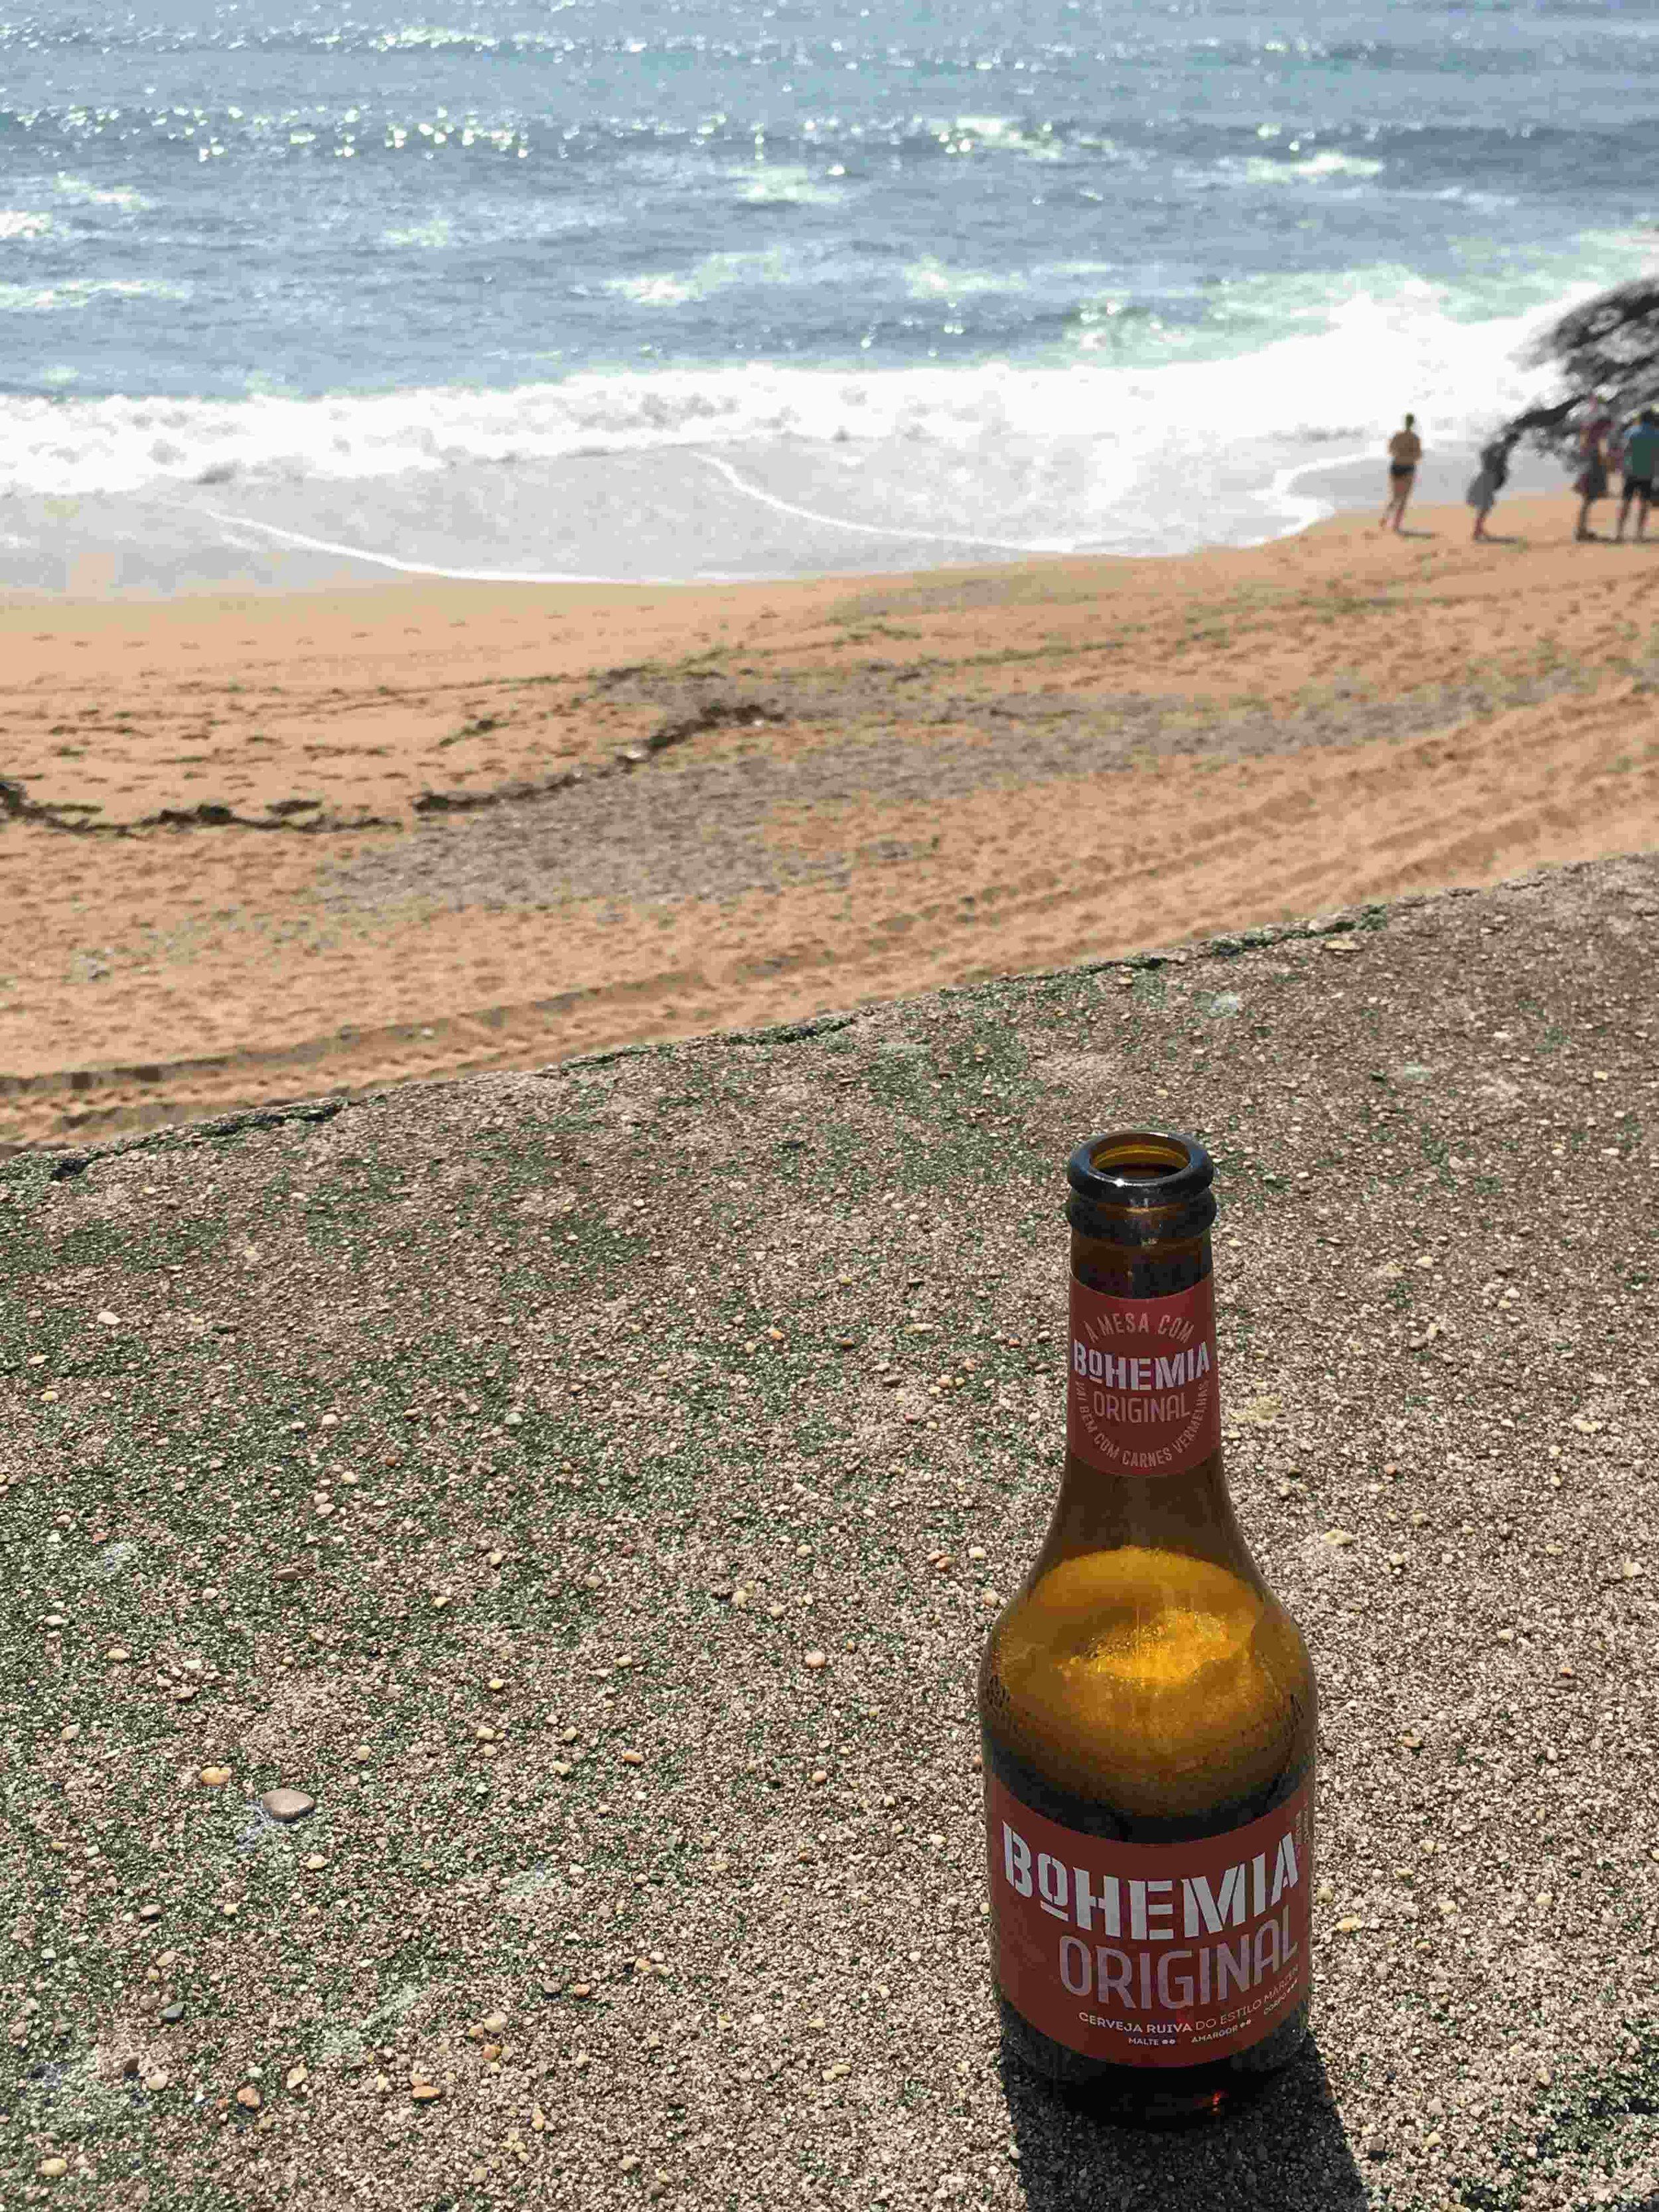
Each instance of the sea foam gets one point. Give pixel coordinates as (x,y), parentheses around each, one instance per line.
(1346,382)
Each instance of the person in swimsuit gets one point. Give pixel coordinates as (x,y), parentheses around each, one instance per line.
(1405,452)
(1489,480)
(1641,460)
(1591,482)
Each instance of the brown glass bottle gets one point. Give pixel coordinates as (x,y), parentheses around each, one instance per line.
(1147,1705)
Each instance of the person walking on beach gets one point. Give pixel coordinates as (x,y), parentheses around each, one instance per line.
(1489,480)
(1591,482)
(1405,452)
(1641,460)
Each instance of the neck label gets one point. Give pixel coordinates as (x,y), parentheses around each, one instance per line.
(1151,1954)
(1141,1397)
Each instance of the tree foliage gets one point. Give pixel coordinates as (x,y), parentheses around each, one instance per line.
(1606,350)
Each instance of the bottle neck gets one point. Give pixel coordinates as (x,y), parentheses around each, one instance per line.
(1144,1462)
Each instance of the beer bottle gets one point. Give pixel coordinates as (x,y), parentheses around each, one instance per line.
(1147,1706)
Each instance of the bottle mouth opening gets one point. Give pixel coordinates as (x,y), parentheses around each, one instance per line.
(1139,1168)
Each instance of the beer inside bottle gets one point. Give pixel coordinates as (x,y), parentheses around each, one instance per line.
(1147,1705)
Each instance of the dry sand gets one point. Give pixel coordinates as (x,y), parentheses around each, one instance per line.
(254,848)
(414,1452)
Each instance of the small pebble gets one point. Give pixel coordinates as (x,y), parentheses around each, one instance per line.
(816,1659)
(149,1912)
(423,2092)
(296,2076)
(117,1654)
(315,1862)
(249,2098)
(174,2012)
(158,2080)
(214,1778)
(288,1804)
(51,2167)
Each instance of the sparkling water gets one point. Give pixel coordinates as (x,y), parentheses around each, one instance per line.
(678,290)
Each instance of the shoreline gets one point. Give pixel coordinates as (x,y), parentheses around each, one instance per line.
(266,843)
(565,526)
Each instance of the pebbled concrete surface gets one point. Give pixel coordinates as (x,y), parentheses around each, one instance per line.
(496,1463)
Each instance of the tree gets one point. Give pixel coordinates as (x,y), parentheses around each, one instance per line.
(1606,350)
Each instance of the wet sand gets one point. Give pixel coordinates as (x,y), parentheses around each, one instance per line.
(259,845)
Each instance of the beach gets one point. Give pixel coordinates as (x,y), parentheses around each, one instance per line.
(488,512)
(260,845)
(644,664)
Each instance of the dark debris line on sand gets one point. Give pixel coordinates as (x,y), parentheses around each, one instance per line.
(591,1488)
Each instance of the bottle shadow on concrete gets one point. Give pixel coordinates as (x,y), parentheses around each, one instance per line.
(1285,2152)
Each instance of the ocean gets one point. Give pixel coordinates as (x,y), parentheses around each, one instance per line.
(692,288)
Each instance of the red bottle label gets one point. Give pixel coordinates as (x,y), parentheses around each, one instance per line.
(1151,1955)
(1142,1398)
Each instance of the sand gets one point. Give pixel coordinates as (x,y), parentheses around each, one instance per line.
(260,846)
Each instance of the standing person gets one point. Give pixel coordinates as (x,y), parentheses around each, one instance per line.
(1491,478)
(1641,460)
(1613,453)
(1591,482)
(1405,452)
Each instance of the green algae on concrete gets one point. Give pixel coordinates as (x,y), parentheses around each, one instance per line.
(591,1486)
